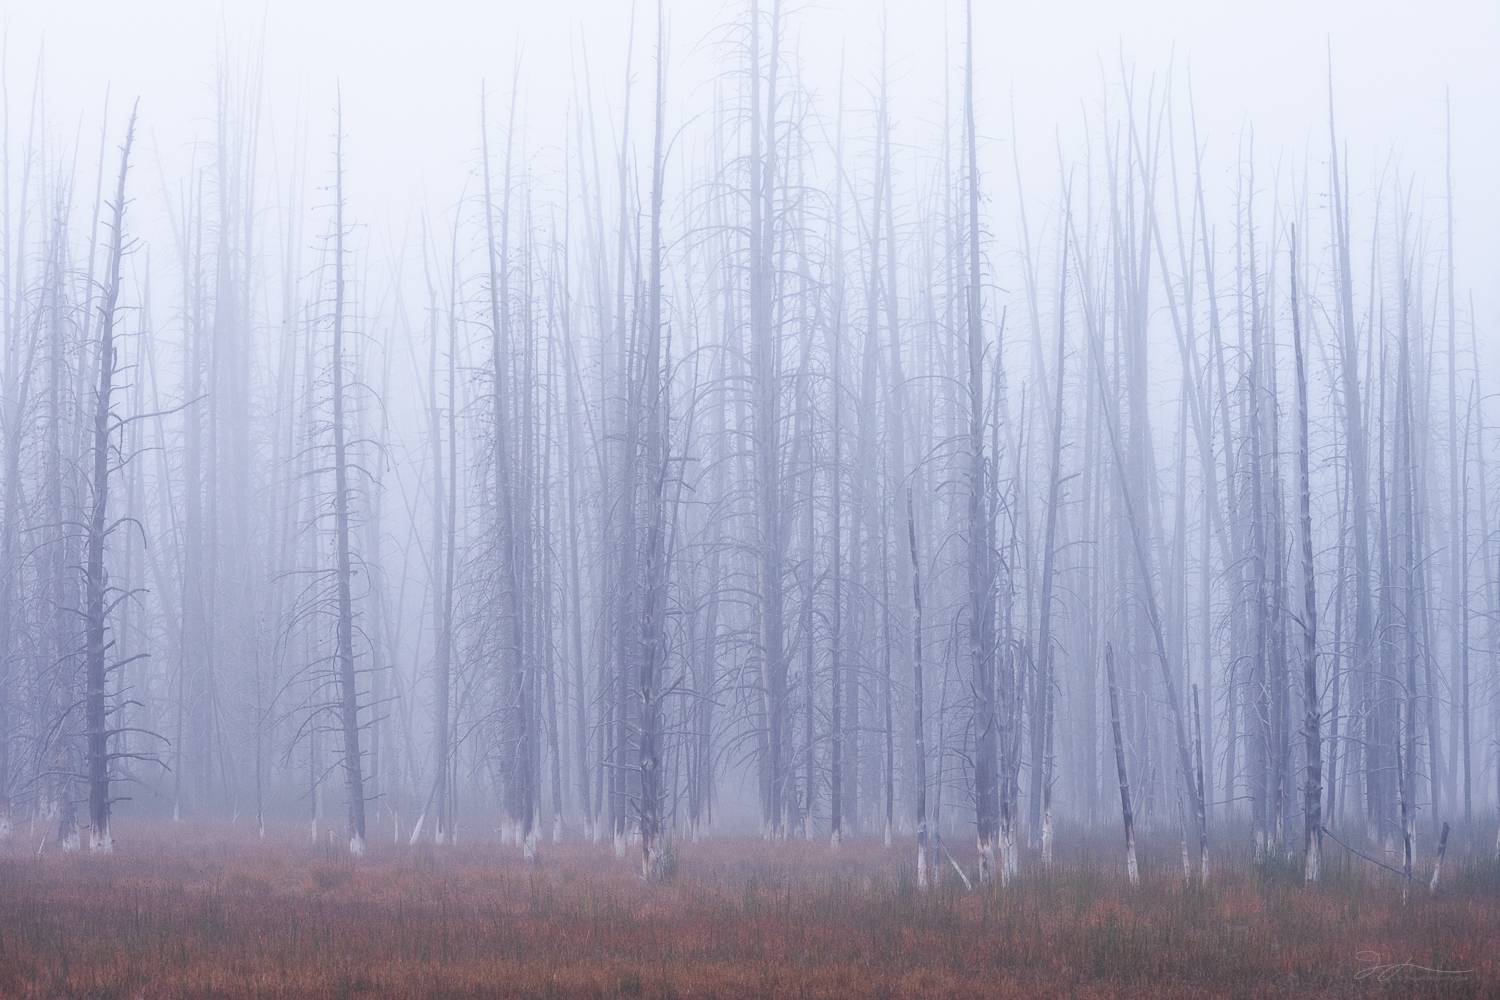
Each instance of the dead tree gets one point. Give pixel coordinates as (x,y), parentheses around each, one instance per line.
(765,344)
(1049,560)
(1312,732)
(1402,791)
(655,462)
(519,795)
(352,759)
(1437,864)
(1132,870)
(918,684)
(980,524)
(1356,448)
(836,499)
(1141,559)
(100,596)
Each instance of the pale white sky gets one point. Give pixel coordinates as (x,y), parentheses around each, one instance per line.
(410,74)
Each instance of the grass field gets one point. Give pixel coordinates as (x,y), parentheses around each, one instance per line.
(203,911)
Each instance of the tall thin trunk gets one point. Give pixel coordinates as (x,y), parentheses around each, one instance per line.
(1132,869)
(982,593)
(353,761)
(1049,559)
(917,688)
(653,618)
(97,710)
(1312,732)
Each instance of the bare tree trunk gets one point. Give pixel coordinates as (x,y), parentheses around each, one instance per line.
(887,693)
(547,626)
(653,619)
(1132,870)
(1153,614)
(1363,666)
(97,710)
(836,502)
(1437,864)
(353,761)
(518,794)
(1049,558)
(444,539)
(15,386)
(765,344)
(1312,733)
(917,688)
(981,572)
(1457,525)
(1198,762)
(1402,791)
(1465,707)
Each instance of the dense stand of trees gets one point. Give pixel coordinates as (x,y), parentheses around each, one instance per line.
(748,464)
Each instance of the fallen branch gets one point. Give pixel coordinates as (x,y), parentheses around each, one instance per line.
(1360,854)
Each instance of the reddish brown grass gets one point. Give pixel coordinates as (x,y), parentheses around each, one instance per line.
(211,912)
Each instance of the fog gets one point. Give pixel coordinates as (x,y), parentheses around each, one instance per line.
(586,422)
(411,81)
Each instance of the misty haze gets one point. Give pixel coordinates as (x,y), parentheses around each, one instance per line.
(758,498)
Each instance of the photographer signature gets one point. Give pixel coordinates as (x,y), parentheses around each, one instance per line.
(1376,969)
